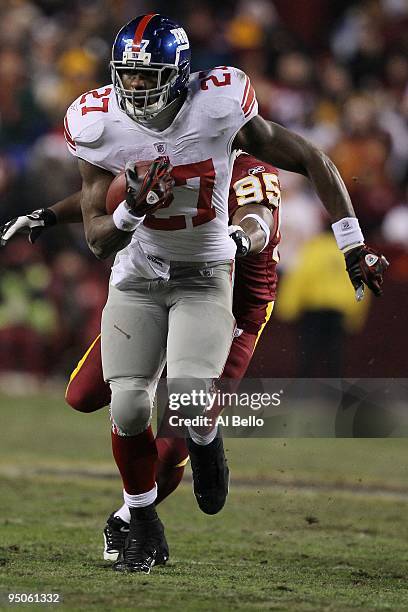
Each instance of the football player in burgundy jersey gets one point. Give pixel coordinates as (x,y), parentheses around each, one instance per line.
(198,121)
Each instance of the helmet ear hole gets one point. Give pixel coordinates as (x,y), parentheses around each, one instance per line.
(167,75)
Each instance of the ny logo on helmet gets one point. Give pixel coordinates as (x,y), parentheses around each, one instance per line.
(180,36)
(182,42)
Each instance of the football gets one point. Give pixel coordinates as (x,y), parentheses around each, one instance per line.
(117,189)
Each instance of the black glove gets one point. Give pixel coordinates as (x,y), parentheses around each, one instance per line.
(33,225)
(365,266)
(241,239)
(148,191)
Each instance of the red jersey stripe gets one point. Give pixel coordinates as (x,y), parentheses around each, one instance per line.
(69,139)
(66,126)
(137,39)
(249,111)
(247,84)
(73,147)
(249,100)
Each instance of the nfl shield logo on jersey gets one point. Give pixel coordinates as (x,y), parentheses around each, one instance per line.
(160,147)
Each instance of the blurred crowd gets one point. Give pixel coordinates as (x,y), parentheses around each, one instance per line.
(336,73)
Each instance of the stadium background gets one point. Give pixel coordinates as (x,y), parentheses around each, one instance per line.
(334,72)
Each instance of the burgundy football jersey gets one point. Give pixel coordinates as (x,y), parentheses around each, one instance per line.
(255,182)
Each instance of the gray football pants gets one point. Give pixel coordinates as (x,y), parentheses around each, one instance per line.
(187,320)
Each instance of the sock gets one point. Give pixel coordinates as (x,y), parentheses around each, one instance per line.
(136,458)
(172,459)
(168,479)
(123,513)
(140,501)
(147,513)
(203,439)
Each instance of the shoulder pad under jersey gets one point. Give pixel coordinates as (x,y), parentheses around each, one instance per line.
(85,118)
(225,94)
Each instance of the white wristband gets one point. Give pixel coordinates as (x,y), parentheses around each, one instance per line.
(347,233)
(263,225)
(124,220)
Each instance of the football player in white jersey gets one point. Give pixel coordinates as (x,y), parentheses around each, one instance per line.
(171,281)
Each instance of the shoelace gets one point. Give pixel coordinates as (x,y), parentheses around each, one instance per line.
(115,538)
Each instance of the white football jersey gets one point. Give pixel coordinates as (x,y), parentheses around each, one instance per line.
(194,227)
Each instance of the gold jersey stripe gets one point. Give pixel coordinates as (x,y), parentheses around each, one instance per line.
(81,363)
(269,310)
(183,463)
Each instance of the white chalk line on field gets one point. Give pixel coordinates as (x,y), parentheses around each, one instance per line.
(296,485)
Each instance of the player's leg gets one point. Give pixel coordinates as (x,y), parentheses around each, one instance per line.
(172,459)
(201,327)
(134,334)
(87,391)
(242,349)
(172,450)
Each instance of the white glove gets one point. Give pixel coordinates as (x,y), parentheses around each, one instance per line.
(32,224)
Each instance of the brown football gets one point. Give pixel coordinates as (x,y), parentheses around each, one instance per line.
(117,189)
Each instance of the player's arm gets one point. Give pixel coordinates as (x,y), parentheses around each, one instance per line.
(67,210)
(102,235)
(284,149)
(251,227)
(145,193)
(280,147)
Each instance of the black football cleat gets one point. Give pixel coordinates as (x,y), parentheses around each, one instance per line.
(210,474)
(115,533)
(145,547)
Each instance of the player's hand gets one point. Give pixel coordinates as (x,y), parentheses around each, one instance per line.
(241,239)
(365,266)
(147,192)
(33,225)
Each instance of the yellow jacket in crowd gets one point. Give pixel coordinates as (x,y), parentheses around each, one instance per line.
(320,282)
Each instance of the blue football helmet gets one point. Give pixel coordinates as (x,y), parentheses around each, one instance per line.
(159,47)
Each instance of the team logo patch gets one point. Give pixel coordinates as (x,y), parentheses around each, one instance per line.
(182,42)
(256,170)
(180,36)
(207,272)
(371,260)
(160,147)
(152,197)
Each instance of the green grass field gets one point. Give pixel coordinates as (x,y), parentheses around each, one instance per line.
(310,524)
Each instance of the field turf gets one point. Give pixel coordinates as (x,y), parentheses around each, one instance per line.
(310,524)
